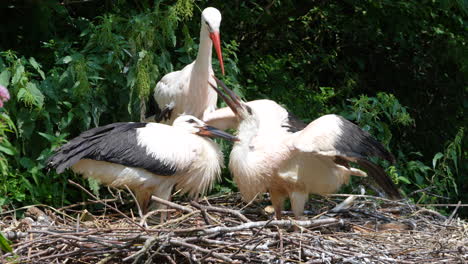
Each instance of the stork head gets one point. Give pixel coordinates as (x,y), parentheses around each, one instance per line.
(239,107)
(198,127)
(211,20)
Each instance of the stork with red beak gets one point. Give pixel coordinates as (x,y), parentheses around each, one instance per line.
(277,154)
(187,91)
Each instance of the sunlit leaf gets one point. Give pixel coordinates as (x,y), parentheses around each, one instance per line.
(37,67)
(18,74)
(38,97)
(436,158)
(5,78)
(5,244)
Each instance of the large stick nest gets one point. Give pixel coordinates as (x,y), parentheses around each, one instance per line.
(223,229)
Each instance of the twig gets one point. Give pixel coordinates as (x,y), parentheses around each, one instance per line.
(281,244)
(345,204)
(444,205)
(220,210)
(197,248)
(252,238)
(281,223)
(171,204)
(205,217)
(140,212)
(453,213)
(362,196)
(170,260)
(150,241)
(106,205)
(374,233)
(86,203)
(178,220)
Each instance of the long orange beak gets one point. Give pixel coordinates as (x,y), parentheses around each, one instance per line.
(214,36)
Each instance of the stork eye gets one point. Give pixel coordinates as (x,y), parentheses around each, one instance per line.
(191,121)
(208,25)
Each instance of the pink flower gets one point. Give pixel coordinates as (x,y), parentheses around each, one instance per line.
(4,95)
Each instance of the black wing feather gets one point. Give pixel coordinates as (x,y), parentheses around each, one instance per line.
(382,179)
(360,146)
(116,143)
(359,143)
(293,123)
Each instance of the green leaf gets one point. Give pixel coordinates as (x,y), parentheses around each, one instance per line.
(436,158)
(36,93)
(21,94)
(7,150)
(18,74)
(37,67)
(66,59)
(5,78)
(94,186)
(70,58)
(27,163)
(5,244)
(49,137)
(404,179)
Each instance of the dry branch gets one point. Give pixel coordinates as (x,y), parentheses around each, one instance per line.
(281,223)
(369,230)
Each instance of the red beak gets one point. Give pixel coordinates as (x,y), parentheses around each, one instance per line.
(214,36)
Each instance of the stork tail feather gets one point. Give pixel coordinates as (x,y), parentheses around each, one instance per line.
(382,179)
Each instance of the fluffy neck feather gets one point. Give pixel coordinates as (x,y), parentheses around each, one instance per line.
(246,161)
(200,178)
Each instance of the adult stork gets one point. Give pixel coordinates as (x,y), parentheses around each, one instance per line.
(149,158)
(187,91)
(287,161)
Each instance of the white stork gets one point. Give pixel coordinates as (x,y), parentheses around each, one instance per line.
(149,158)
(187,91)
(275,153)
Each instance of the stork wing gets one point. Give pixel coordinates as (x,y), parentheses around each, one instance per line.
(222,118)
(272,114)
(165,94)
(293,123)
(336,137)
(151,146)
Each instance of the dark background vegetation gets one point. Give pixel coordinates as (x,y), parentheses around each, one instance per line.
(397,68)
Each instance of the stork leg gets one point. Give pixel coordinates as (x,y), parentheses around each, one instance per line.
(163,192)
(277,199)
(298,200)
(143,198)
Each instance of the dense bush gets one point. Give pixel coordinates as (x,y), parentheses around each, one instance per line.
(397,68)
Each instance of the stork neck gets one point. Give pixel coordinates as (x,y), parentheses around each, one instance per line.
(203,62)
(248,129)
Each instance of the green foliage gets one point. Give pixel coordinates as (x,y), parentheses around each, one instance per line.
(377,114)
(396,68)
(96,77)
(5,244)
(447,168)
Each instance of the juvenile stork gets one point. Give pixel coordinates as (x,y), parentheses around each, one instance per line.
(187,91)
(149,158)
(273,115)
(272,155)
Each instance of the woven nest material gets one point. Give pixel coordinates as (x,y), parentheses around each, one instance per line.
(223,229)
